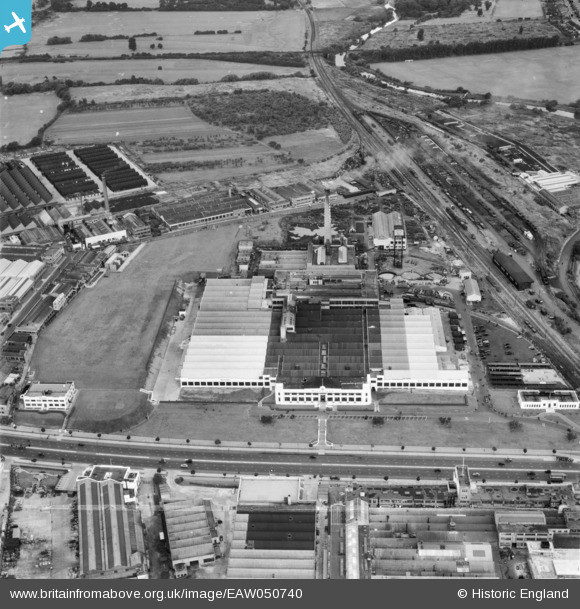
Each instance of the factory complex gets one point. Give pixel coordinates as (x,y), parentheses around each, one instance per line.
(320,348)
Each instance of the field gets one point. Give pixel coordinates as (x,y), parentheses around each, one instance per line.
(104,94)
(129,125)
(260,31)
(512,9)
(14,127)
(110,71)
(312,145)
(104,338)
(320,4)
(234,422)
(403,37)
(473,430)
(536,75)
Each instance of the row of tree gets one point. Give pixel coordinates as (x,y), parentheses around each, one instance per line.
(268,58)
(434,50)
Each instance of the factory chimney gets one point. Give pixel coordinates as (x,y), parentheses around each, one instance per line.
(327,219)
(105,193)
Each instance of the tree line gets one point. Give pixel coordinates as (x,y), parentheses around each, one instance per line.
(435,50)
(291,59)
(226,5)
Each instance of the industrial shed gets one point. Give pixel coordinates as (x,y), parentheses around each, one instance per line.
(472,292)
(111,544)
(273,544)
(188,533)
(512,270)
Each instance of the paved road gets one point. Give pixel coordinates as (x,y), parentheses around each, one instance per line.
(249,462)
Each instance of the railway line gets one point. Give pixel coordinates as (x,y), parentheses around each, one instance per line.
(407,176)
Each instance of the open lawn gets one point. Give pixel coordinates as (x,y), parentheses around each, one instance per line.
(260,31)
(129,125)
(502,74)
(110,71)
(21,117)
(512,9)
(303,86)
(233,422)
(476,432)
(103,339)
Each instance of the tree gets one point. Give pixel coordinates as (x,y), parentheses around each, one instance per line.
(551,105)
(157,439)
(159,46)
(132,44)
(515,425)
(217,442)
(521,29)
(488,4)
(267,419)
(571,435)
(420,35)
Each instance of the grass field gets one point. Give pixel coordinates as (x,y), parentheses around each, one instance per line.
(537,75)
(311,145)
(260,31)
(104,94)
(233,422)
(22,116)
(475,433)
(512,9)
(103,339)
(110,71)
(129,125)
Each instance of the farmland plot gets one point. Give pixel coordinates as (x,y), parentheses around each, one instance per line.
(303,86)
(501,74)
(128,125)
(512,9)
(110,71)
(22,116)
(260,31)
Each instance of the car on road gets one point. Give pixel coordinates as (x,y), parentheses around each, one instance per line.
(437,471)
(41,454)
(80,444)
(508,460)
(34,460)
(476,475)
(532,474)
(184,466)
(312,457)
(189,461)
(500,463)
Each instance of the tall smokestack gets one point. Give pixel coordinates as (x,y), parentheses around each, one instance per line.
(327,219)
(105,193)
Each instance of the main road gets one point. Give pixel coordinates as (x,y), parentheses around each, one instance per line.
(38,450)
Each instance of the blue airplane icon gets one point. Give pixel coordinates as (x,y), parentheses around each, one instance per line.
(15,22)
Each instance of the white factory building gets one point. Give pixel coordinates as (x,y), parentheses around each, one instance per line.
(313,352)
(17,278)
(389,231)
(552,182)
(49,396)
(472,291)
(549,401)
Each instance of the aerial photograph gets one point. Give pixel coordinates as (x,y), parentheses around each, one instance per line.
(290,289)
